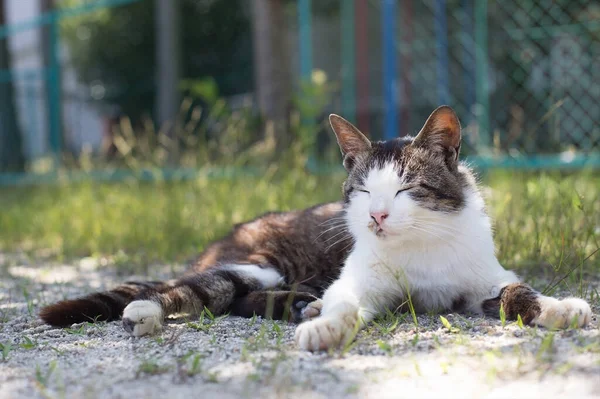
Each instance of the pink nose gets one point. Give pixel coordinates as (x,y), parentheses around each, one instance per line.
(379,217)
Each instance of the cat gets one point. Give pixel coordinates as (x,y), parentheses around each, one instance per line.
(411,230)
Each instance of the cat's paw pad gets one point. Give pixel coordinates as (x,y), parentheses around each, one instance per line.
(565,313)
(303,310)
(325,333)
(142,318)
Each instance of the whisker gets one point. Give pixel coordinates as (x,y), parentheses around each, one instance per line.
(337,242)
(339,226)
(343,217)
(336,235)
(347,246)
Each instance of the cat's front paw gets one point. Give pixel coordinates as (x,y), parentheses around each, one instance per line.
(325,333)
(563,313)
(142,318)
(303,310)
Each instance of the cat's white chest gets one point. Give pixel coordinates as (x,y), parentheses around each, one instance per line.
(434,278)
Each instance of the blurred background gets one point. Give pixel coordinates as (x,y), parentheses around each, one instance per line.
(75,74)
(149,126)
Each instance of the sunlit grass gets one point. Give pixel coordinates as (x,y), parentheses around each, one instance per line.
(544,223)
(547,223)
(148,221)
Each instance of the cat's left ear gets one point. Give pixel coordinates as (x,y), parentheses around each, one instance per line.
(441,132)
(351,141)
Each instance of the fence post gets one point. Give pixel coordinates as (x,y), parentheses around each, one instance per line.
(481,73)
(441,50)
(361,18)
(53,91)
(407,51)
(305,37)
(32,122)
(305,45)
(348,60)
(388,17)
(468,59)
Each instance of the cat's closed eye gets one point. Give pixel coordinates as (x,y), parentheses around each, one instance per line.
(363,191)
(404,189)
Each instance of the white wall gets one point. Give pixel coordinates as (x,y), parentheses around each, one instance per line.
(81,122)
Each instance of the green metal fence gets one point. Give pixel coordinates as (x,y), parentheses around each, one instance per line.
(522,74)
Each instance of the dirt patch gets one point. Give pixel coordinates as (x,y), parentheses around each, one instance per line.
(233,357)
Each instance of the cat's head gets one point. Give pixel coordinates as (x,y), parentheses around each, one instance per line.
(401,185)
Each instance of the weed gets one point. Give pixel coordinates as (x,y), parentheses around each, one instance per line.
(77,331)
(5,349)
(151,367)
(546,347)
(502,316)
(278,332)
(448,326)
(352,389)
(520,321)
(212,376)
(253,319)
(42,377)
(351,340)
(28,300)
(58,351)
(417,368)
(206,320)
(260,341)
(415,339)
(192,364)
(28,343)
(387,323)
(384,346)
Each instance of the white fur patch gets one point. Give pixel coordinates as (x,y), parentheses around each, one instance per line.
(268,277)
(562,313)
(145,317)
(436,256)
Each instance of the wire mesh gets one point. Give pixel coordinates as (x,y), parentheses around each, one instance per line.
(520,73)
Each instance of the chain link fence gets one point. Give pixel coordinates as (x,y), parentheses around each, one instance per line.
(521,74)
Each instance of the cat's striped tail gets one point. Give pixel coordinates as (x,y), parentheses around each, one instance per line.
(99,306)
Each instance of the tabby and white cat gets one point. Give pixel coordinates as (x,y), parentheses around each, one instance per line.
(412,227)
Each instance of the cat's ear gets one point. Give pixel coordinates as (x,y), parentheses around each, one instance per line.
(441,131)
(351,141)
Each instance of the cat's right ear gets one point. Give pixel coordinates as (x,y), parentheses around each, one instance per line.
(351,141)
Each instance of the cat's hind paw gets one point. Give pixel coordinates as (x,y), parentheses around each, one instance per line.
(303,310)
(563,313)
(325,333)
(142,318)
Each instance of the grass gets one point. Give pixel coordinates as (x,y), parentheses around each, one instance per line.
(5,348)
(151,367)
(206,320)
(139,223)
(545,223)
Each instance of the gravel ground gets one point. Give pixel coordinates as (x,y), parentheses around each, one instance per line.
(234,357)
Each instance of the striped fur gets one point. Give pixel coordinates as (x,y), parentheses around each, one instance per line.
(100,306)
